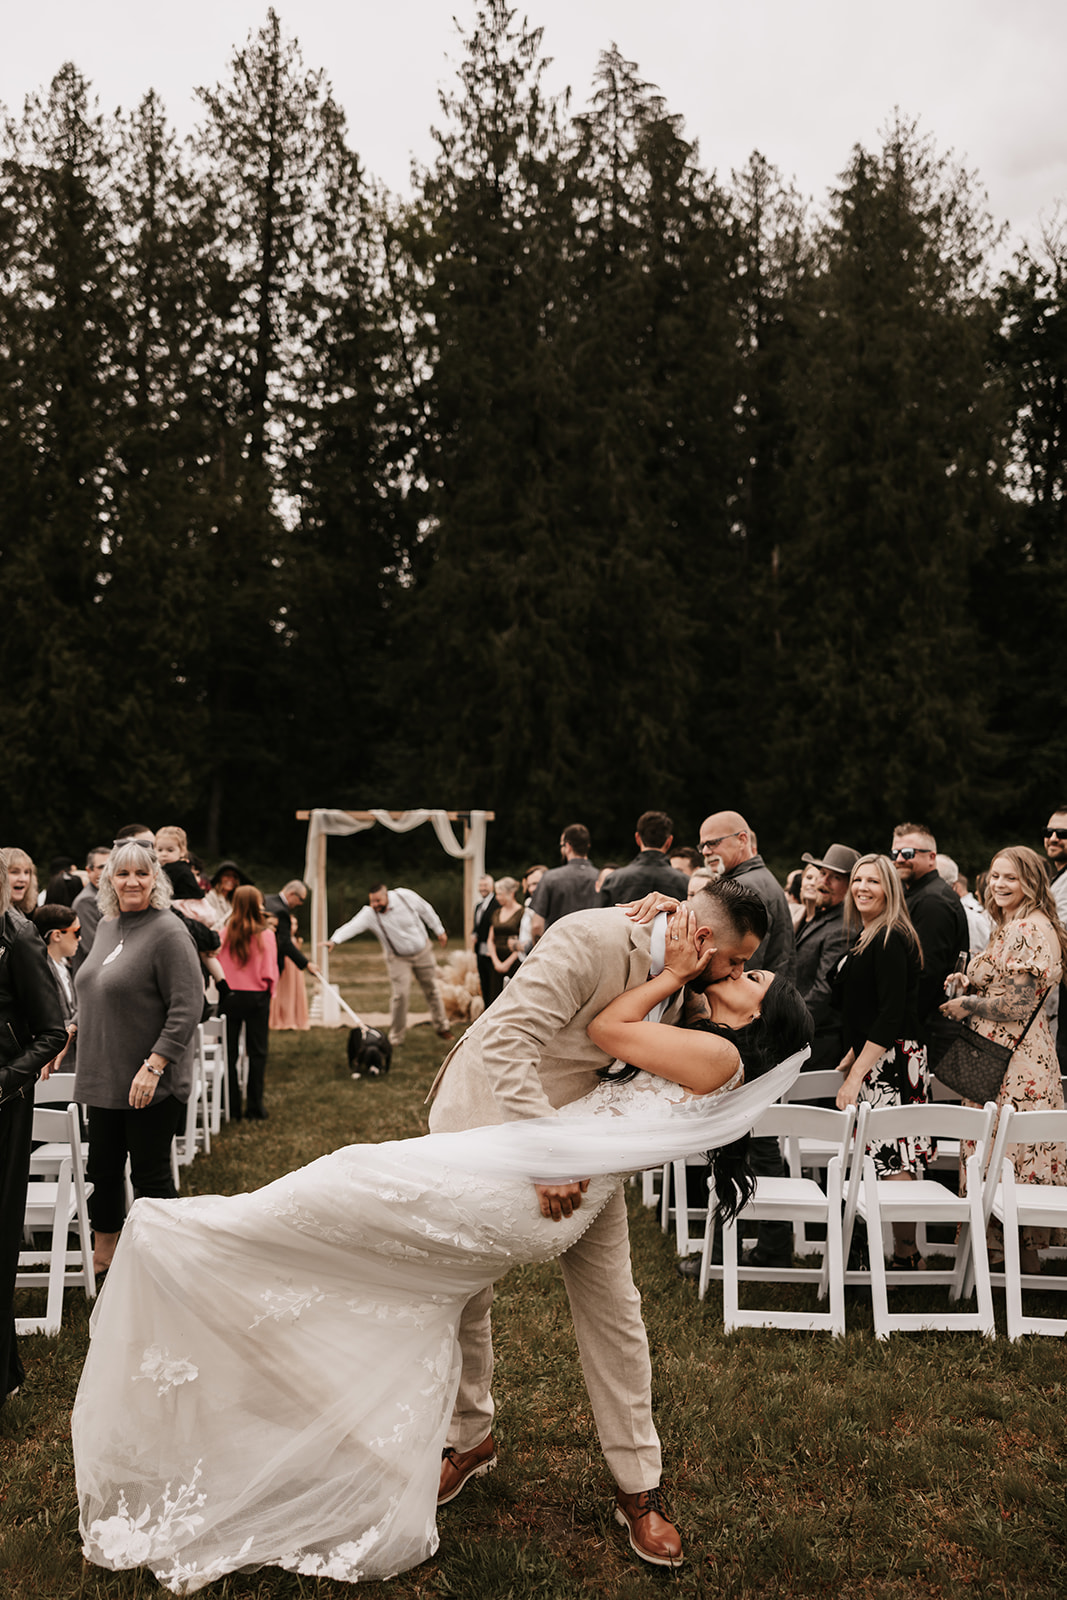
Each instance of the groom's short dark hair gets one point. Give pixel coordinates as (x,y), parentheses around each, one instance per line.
(725,901)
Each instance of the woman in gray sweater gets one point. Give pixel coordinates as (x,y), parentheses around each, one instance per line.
(140,997)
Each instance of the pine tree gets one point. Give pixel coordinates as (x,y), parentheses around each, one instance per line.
(162,475)
(655,343)
(897,445)
(274,170)
(1021,584)
(353,549)
(60,332)
(739,576)
(499,608)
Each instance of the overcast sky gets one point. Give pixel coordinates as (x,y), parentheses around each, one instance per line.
(800,80)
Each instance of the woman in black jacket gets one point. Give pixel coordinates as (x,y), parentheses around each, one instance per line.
(32,1034)
(875,990)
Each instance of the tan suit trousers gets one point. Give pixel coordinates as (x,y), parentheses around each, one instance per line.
(612,1345)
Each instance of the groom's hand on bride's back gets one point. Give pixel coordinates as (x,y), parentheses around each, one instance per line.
(558,1200)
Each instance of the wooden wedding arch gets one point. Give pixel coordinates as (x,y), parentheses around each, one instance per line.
(324,823)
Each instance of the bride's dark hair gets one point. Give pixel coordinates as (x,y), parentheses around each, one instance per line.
(783,1027)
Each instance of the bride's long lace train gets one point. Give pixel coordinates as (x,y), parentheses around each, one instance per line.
(271,1376)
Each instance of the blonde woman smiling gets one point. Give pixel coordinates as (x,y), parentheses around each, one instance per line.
(875,990)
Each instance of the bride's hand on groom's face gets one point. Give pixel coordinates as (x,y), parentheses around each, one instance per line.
(683,957)
(648,909)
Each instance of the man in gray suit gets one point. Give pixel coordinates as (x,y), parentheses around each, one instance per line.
(526,1056)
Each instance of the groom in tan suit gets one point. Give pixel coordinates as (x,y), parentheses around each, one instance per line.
(527,1055)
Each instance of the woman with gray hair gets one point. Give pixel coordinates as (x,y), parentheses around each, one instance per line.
(140,997)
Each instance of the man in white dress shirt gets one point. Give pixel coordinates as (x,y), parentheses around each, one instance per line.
(402,922)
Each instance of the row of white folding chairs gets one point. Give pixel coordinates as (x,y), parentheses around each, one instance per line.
(57,1197)
(1037,1205)
(801,1154)
(209,1104)
(880,1202)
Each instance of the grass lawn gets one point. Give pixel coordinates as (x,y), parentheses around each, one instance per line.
(933,1465)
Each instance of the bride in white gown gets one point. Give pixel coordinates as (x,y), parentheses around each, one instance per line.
(271,1375)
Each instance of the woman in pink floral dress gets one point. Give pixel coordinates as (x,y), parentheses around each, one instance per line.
(1022,962)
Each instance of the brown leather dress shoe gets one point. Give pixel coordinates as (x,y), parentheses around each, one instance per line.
(457,1469)
(653,1536)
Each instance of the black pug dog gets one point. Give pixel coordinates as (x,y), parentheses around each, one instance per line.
(370,1052)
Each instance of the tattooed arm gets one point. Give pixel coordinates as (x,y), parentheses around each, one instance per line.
(1023,990)
(1015,1005)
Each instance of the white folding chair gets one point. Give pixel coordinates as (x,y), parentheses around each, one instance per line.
(783,1200)
(946,1159)
(665,1210)
(54,1206)
(211,1046)
(884,1201)
(55,1090)
(1025,1205)
(809,1154)
(197,1131)
(675,1206)
(651,1185)
(46,1159)
(807,1087)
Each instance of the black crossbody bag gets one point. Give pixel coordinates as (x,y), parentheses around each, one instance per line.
(974,1066)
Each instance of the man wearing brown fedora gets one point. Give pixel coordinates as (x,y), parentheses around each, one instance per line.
(820,945)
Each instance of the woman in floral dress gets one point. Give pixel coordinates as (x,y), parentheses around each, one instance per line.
(1022,962)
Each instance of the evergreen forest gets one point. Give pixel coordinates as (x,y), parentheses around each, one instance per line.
(579,480)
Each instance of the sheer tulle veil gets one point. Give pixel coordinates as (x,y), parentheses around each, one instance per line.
(557,1149)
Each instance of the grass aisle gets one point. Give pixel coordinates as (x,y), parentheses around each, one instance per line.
(930,1466)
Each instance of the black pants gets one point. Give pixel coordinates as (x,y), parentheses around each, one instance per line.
(145,1136)
(490,980)
(252,1007)
(16,1124)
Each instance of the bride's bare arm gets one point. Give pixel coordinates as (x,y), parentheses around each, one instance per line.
(698,1061)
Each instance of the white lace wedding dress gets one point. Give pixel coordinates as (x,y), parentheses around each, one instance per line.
(271,1375)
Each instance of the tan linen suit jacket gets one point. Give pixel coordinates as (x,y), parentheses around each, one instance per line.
(528,1053)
